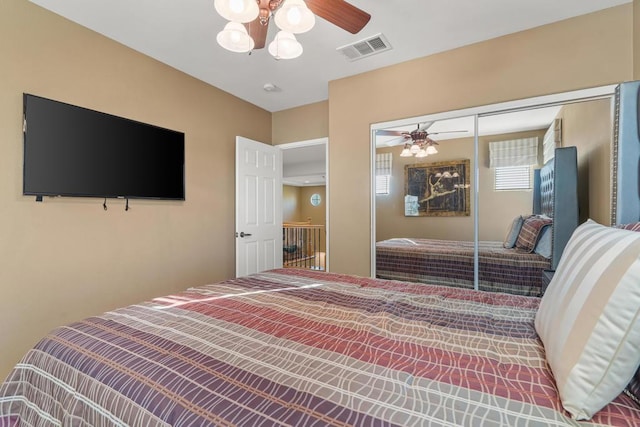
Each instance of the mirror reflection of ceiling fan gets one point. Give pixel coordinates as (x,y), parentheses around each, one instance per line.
(417,142)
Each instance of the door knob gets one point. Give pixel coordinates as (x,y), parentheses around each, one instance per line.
(243,234)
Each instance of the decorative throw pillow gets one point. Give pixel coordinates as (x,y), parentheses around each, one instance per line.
(589,317)
(634,226)
(514,230)
(544,245)
(531,227)
(633,389)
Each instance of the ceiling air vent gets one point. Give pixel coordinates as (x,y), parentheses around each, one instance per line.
(363,48)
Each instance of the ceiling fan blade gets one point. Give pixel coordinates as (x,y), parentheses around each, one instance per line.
(384,132)
(257,32)
(397,141)
(340,13)
(446,131)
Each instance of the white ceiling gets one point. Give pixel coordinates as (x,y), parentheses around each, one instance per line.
(304,166)
(182,34)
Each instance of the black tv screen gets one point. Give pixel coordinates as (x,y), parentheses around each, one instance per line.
(74,151)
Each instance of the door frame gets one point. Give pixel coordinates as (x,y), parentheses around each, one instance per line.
(309,143)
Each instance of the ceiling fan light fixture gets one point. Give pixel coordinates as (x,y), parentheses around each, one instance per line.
(422,153)
(285,46)
(431,150)
(237,10)
(406,152)
(234,37)
(415,148)
(295,17)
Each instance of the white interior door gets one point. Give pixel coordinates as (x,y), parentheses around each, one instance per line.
(258,207)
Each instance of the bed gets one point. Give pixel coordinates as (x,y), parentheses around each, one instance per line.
(299,347)
(451,263)
(516,270)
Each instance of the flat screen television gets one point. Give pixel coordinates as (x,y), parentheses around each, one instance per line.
(75,151)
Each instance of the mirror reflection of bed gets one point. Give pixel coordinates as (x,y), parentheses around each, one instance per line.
(585,125)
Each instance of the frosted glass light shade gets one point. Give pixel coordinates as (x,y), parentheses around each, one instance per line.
(432,150)
(295,17)
(285,46)
(406,152)
(237,10)
(415,148)
(422,153)
(234,37)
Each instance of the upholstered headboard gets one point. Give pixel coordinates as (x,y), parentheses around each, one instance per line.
(625,155)
(556,195)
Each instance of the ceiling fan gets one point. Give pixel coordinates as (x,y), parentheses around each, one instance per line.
(291,16)
(416,142)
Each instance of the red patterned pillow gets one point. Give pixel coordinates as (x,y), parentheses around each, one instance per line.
(530,232)
(634,226)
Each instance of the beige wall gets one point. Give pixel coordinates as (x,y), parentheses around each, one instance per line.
(307,210)
(290,203)
(67,258)
(301,123)
(588,126)
(582,52)
(297,206)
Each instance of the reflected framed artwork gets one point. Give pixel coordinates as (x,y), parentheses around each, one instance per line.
(437,189)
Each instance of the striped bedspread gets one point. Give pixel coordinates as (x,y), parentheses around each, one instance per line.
(298,348)
(450,263)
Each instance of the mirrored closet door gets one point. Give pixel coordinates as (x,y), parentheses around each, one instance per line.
(424,222)
(542,177)
(454,217)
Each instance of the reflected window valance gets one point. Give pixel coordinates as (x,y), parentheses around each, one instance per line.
(552,140)
(515,152)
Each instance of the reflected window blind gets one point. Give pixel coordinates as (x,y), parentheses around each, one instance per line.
(513,178)
(383,172)
(515,152)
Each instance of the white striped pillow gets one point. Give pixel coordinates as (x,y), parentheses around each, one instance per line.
(589,317)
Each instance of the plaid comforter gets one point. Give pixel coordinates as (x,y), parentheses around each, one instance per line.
(450,263)
(298,348)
